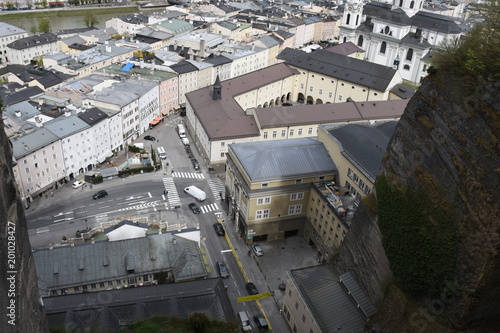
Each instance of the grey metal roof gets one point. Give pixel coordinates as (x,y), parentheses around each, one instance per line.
(32,142)
(115,309)
(396,16)
(403,91)
(357,294)
(331,306)
(135,18)
(9,30)
(280,159)
(183,67)
(66,126)
(92,116)
(342,67)
(270,41)
(365,146)
(33,41)
(376,9)
(435,22)
(21,95)
(21,112)
(224,118)
(67,266)
(218,60)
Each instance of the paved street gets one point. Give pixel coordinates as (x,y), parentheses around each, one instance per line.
(156,196)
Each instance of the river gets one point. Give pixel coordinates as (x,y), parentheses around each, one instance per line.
(61,23)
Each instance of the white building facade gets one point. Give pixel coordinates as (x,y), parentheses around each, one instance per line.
(399,35)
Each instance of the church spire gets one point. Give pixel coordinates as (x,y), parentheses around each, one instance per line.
(217,89)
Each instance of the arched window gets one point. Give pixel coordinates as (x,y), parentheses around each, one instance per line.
(407,67)
(383,46)
(386,30)
(348,19)
(345,39)
(409,54)
(400,3)
(412,4)
(360,40)
(357,19)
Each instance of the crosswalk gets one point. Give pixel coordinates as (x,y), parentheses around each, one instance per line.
(101,218)
(171,191)
(217,187)
(196,175)
(209,208)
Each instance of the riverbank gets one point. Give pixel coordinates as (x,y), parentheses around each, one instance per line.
(63,12)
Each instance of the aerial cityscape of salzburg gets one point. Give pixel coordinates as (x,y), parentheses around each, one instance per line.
(222,166)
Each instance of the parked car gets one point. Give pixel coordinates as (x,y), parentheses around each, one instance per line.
(261,322)
(219,230)
(287,104)
(223,270)
(150,138)
(100,194)
(257,250)
(194,208)
(78,183)
(251,288)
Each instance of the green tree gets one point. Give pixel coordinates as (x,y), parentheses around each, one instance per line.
(476,54)
(44,25)
(34,30)
(90,20)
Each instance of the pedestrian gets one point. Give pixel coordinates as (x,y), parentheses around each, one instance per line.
(164,192)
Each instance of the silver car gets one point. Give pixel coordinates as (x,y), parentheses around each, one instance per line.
(223,270)
(257,250)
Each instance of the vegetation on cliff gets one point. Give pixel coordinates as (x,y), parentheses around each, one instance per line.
(475,58)
(420,239)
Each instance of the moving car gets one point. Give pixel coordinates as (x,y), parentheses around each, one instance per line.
(150,138)
(161,153)
(194,208)
(251,288)
(100,194)
(218,229)
(223,270)
(257,250)
(195,193)
(261,322)
(78,183)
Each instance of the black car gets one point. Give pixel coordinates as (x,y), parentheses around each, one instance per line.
(251,288)
(261,322)
(223,270)
(100,194)
(194,208)
(287,104)
(150,138)
(219,230)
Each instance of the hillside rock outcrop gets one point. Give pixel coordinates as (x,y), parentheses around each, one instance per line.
(20,302)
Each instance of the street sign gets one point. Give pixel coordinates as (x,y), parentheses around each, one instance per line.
(254,297)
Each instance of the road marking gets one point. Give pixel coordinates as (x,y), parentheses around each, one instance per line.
(64,219)
(149,193)
(42,230)
(222,251)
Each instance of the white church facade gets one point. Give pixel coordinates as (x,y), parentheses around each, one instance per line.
(400,34)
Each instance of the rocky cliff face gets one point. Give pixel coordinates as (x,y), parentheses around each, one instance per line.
(444,163)
(21,310)
(448,146)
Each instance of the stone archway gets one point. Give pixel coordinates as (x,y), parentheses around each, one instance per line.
(310,100)
(265,105)
(271,103)
(301,98)
(319,101)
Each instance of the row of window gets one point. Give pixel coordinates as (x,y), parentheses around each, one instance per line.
(291,133)
(261,214)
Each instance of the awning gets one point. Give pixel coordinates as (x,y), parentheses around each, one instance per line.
(154,122)
(158,119)
(165,113)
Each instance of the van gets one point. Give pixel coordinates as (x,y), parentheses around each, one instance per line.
(195,192)
(245,322)
(181,131)
(161,153)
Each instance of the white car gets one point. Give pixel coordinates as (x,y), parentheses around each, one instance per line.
(78,183)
